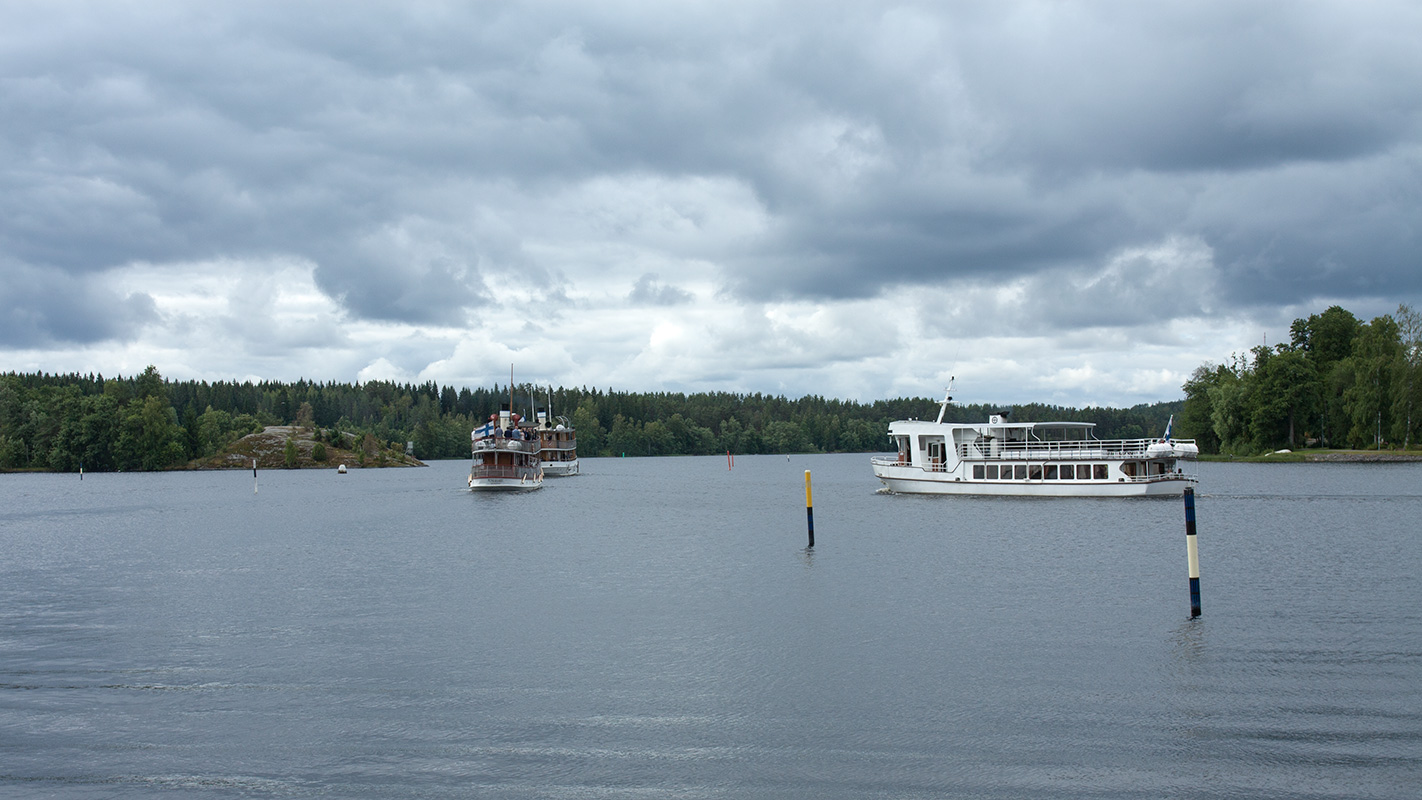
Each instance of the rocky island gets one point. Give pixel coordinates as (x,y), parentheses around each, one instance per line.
(296,447)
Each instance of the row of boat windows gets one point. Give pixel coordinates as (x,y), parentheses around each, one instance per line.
(1040,472)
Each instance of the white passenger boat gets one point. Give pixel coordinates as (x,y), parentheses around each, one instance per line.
(558,446)
(505,456)
(1049,459)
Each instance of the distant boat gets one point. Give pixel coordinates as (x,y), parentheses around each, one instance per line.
(505,455)
(1047,459)
(557,446)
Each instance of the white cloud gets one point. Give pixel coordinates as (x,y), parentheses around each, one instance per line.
(382,370)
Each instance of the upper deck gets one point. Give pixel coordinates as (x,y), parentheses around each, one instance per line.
(557,439)
(507,445)
(930,443)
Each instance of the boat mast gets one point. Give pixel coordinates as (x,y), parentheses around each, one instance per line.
(947,398)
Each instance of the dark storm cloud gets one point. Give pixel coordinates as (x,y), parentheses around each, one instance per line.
(188,135)
(931,240)
(1285,136)
(1105,127)
(40,309)
(910,145)
(391,275)
(1199,86)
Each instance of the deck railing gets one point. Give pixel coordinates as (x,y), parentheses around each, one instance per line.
(501,471)
(1169,476)
(507,445)
(1079,450)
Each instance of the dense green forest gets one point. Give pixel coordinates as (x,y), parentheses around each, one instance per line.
(58,422)
(1338,382)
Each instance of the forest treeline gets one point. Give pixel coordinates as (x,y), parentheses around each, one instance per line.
(145,422)
(1338,382)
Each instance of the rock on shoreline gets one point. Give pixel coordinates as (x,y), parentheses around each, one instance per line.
(268,448)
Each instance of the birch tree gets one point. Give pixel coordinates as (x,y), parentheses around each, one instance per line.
(1407,376)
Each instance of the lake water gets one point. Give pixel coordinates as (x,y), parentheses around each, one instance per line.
(658,628)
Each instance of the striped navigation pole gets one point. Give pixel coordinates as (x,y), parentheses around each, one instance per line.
(809,509)
(1192,552)
(254,476)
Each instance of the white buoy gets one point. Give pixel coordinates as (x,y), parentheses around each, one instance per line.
(341,469)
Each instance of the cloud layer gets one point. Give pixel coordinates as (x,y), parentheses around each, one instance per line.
(1068,202)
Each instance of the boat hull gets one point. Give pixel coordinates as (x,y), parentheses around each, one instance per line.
(912,480)
(560,469)
(504,484)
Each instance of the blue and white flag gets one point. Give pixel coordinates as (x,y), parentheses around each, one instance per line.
(486,431)
(1170,422)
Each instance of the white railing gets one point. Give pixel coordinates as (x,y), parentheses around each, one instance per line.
(1079,450)
(501,471)
(1169,476)
(507,445)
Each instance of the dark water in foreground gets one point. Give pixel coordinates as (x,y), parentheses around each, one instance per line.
(656,628)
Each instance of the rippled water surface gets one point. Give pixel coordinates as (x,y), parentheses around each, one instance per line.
(657,628)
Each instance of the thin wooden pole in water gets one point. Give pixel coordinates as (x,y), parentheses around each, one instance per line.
(254,476)
(1192,553)
(809,509)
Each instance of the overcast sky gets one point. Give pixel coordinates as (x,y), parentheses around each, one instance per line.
(1064,202)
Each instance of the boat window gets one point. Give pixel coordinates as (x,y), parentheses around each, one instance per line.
(1034,472)
(978,472)
(1129,468)
(992,472)
(1051,472)
(1068,472)
(1083,471)
(1019,471)
(1098,472)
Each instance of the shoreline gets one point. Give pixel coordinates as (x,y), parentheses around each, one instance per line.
(1334,457)
(1360,458)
